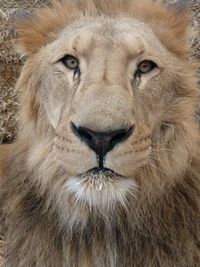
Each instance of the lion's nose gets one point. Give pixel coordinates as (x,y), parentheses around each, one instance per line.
(99,142)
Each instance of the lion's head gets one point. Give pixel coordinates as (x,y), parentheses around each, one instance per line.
(108,113)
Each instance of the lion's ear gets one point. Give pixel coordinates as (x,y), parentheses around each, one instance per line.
(20,16)
(32,31)
(177,5)
(40,28)
(180,5)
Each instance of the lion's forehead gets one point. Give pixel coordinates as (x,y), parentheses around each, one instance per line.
(85,35)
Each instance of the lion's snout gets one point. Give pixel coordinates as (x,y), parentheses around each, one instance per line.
(101,142)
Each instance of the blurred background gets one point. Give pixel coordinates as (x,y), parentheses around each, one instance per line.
(10,61)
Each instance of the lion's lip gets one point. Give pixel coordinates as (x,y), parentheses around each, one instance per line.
(99,171)
(98,178)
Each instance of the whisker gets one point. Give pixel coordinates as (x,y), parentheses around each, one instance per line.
(163,149)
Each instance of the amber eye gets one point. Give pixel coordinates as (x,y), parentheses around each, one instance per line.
(70,62)
(146,66)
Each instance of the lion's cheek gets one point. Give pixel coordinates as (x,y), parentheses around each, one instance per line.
(75,161)
(126,163)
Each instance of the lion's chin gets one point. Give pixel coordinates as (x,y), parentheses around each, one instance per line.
(101,188)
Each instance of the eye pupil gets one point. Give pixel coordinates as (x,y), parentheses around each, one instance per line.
(146,66)
(70,62)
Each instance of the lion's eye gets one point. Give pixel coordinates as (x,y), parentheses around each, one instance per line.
(70,62)
(145,67)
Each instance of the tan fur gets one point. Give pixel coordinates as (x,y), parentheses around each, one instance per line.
(55,214)
(5,151)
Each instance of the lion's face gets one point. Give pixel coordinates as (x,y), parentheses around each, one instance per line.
(115,99)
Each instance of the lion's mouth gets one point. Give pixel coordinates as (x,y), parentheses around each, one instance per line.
(100,187)
(102,171)
(97,178)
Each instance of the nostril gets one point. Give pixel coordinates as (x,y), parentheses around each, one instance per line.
(122,135)
(81,133)
(84,135)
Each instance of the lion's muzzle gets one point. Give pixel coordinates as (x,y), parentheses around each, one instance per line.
(101,143)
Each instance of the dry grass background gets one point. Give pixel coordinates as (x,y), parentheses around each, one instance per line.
(10,65)
(10,62)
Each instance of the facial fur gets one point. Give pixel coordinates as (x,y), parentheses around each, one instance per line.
(62,109)
(107,97)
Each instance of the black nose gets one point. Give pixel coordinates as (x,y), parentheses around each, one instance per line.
(100,142)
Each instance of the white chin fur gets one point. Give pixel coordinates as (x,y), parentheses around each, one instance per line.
(100,191)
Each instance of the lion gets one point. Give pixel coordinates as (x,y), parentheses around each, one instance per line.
(105,170)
